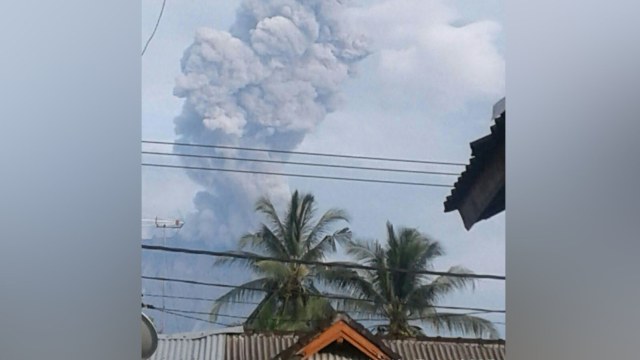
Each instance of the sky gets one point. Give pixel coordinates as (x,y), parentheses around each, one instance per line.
(424,90)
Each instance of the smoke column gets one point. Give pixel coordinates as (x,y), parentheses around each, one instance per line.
(267,82)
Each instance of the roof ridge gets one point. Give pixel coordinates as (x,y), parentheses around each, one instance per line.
(447,339)
(202,334)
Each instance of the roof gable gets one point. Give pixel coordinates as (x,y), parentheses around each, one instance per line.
(341,330)
(236,344)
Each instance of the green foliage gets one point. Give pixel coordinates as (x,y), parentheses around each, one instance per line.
(287,301)
(403,297)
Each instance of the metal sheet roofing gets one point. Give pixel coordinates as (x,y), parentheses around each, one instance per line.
(240,344)
(447,350)
(231,345)
(330,356)
(257,346)
(208,345)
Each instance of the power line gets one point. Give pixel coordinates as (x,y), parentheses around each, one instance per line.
(148,306)
(353,167)
(297,175)
(194,312)
(305,153)
(477,311)
(154,28)
(318,263)
(200,299)
(227,325)
(185,316)
(326,296)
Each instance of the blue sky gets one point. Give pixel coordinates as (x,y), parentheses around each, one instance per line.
(425,92)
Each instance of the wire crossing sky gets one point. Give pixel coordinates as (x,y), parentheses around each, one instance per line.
(400,79)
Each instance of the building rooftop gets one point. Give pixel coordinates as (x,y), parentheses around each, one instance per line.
(479,192)
(342,339)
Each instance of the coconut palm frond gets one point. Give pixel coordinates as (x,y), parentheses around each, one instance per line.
(266,208)
(350,282)
(403,297)
(327,245)
(288,285)
(328,219)
(274,270)
(440,287)
(462,323)
(248,291)
(264,240)
(246,259)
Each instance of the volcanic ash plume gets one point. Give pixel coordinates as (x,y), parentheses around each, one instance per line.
(266,83)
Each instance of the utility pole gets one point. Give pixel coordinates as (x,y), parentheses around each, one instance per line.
(165,224)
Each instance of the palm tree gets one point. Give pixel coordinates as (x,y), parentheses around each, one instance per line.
(286,290)
(403,298)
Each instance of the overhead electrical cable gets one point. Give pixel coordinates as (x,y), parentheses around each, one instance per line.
(271,161)
(155,28)
(186,316)
(148,306)
(362,157)
(257,303)
(297,175)
(322,295)
(344,265)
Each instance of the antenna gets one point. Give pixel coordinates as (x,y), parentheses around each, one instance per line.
(169,224)
(165,224)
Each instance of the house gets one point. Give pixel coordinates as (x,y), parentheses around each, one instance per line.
(342,338)
(479,192)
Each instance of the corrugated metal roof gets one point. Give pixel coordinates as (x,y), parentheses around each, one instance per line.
(229,344)
(337,356)
(447,350)
(258,346)
(208,345)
